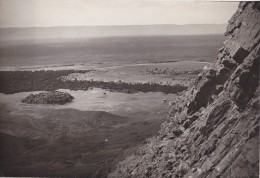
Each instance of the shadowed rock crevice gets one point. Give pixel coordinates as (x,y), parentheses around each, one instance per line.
(213,129)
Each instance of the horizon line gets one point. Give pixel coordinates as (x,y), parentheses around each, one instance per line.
(110,25)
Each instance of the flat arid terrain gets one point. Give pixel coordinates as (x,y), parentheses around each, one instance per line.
(118,101)
(74,138)
(108,51)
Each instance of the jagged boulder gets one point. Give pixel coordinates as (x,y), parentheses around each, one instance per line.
(222,75)
(205,86)
(50,97)
(229,63)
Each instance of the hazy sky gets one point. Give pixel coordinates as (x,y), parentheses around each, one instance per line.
(27,13)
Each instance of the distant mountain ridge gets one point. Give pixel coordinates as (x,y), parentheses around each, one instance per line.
(66,32)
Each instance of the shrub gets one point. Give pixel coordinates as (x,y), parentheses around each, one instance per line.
(50,97)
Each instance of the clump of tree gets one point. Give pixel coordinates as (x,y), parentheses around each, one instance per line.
(50,97)
(24,81)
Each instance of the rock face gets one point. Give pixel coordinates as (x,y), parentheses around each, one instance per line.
(51,97)
(213,131)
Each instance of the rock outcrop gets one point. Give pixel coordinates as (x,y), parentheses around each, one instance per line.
(213,130)
(50,97)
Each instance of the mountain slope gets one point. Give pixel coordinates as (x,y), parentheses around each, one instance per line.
(213,130)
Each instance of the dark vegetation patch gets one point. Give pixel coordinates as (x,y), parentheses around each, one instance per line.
(51,97)
(25,81)
(171,72)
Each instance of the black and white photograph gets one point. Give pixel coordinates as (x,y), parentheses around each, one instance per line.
(129,88)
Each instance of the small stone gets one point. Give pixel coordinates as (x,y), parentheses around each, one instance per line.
(219,88)
(221,49)
(229,63)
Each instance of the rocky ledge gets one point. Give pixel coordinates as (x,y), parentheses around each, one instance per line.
(50,97)
(213,130)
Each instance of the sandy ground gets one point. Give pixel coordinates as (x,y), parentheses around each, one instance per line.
(95,100)
(105,65)
(69,140)
(170,73)
(53,67)
(161,73)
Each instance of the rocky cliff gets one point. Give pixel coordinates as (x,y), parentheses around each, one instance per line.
(213,130)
